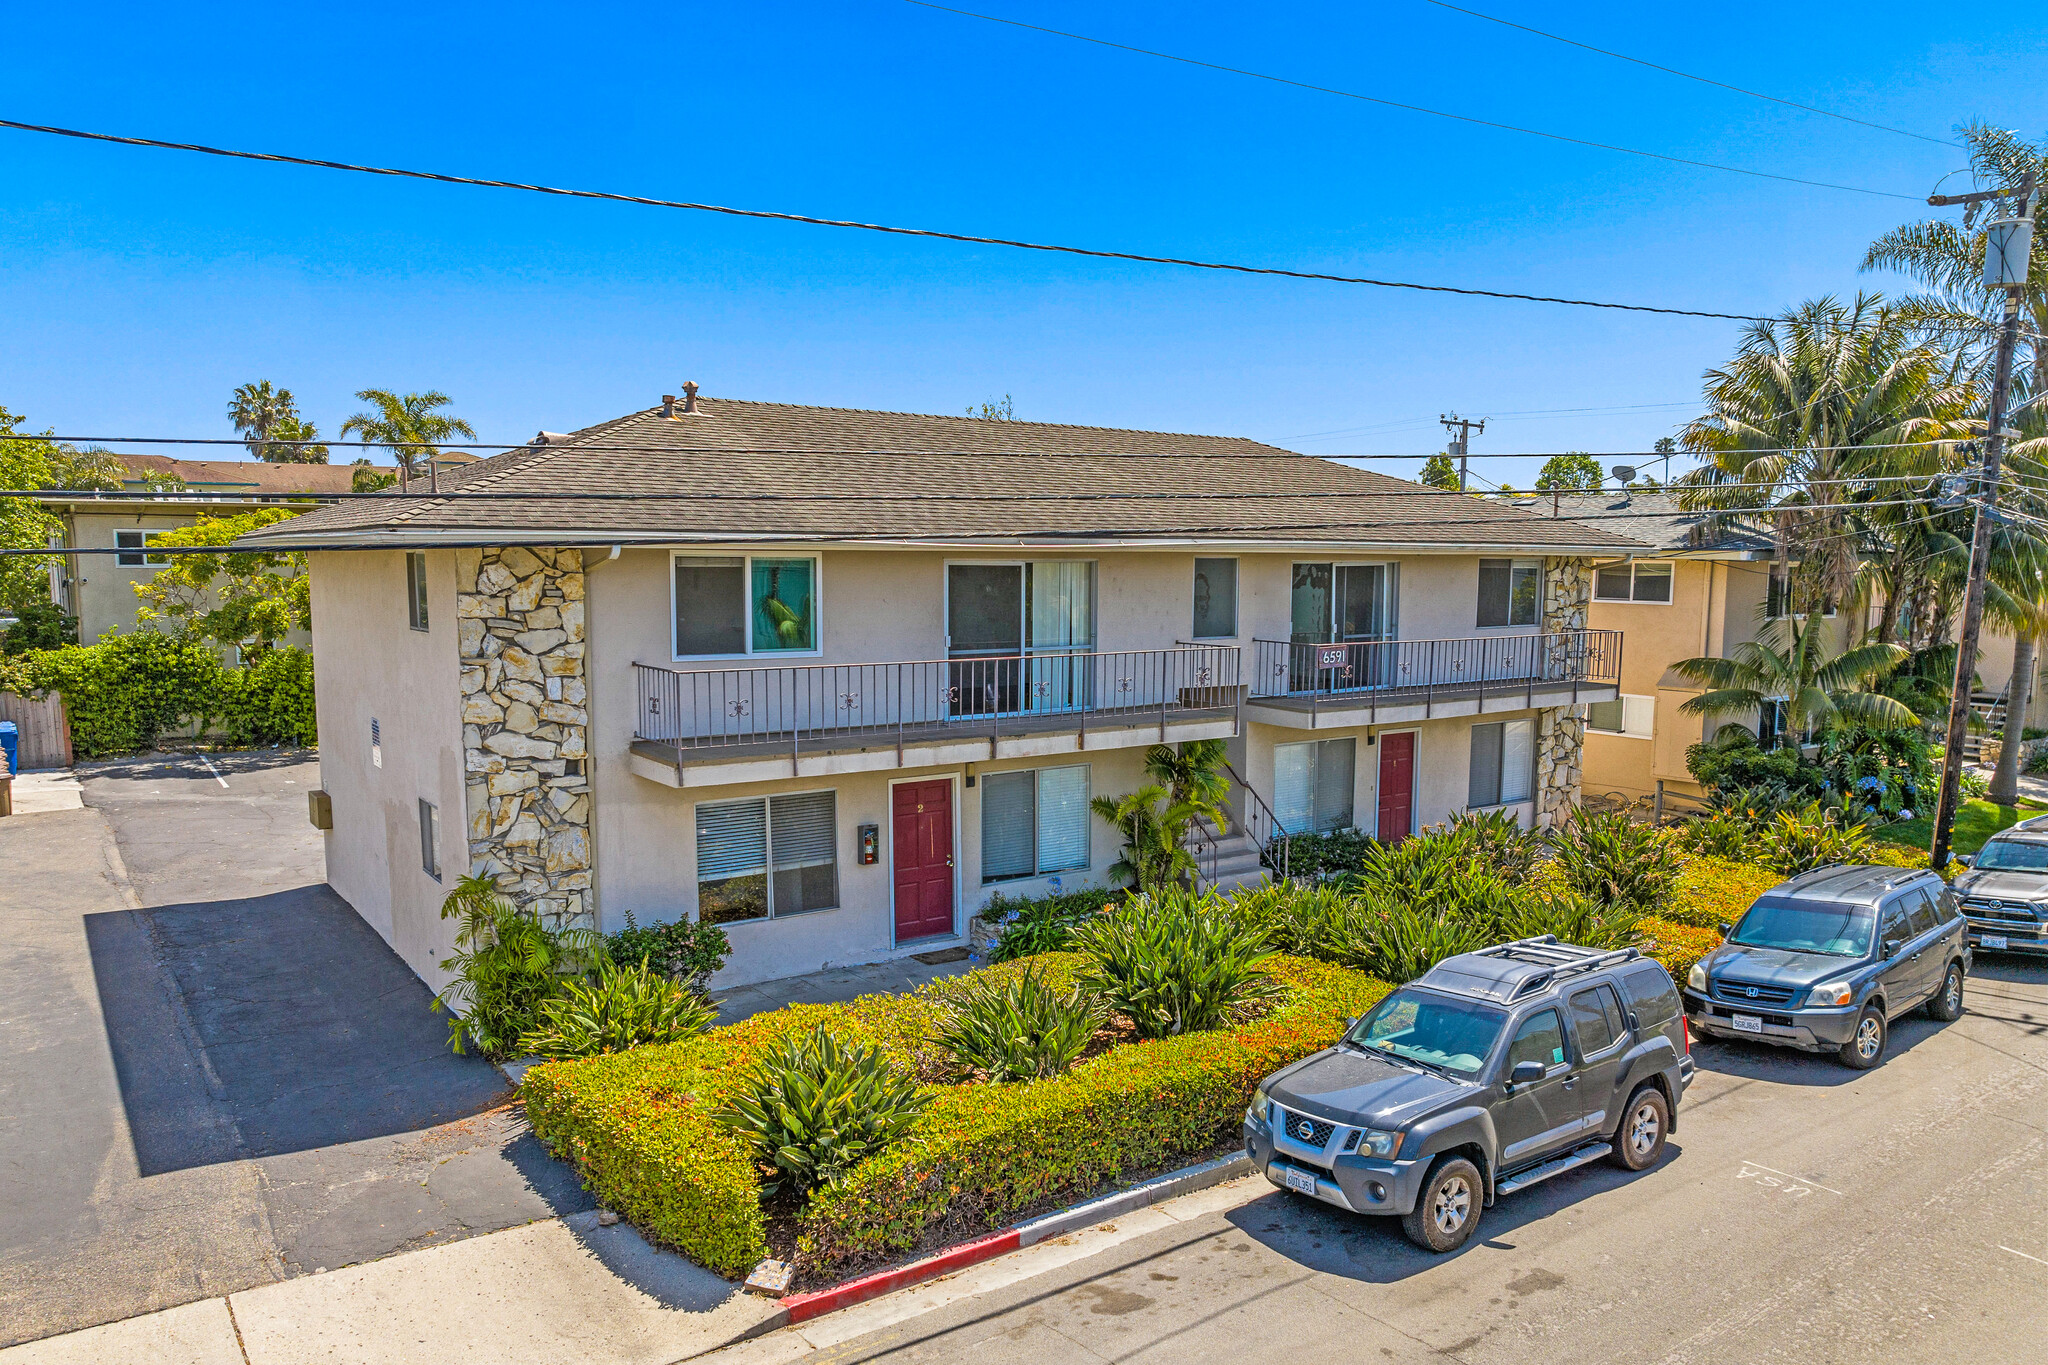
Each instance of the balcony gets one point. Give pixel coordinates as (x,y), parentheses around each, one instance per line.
(1390,682)
(727,725)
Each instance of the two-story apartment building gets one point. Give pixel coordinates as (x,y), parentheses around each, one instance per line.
(834,678)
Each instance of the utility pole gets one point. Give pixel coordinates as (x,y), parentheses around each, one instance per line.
(1461,442)
(2007,245)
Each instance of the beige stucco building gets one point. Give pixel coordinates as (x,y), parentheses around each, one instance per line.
(845,676)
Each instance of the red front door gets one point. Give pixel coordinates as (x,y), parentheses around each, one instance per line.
(1397,788)
(923,848)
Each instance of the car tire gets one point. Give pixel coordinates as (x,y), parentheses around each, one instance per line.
(1865,1048)
(1448,1206)
(1947,1004)
(1645,1122)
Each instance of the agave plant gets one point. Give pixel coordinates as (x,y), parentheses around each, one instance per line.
(624,1007)
(814,1107)
(1175,963)
(1607,857)
(1021,1029)
(1792,842)
(1380,935)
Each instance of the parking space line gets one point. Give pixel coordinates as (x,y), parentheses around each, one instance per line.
(2016,1252)
(215,771)
(1789,1176)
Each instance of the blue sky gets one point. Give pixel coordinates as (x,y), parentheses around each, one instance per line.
(140,287)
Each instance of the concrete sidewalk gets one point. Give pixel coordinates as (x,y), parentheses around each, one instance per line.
(560,1290)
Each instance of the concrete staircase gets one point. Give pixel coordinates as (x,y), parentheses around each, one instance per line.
(1989,708)
(1232,862)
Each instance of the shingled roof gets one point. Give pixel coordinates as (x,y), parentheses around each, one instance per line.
(1657,518)
(745,471)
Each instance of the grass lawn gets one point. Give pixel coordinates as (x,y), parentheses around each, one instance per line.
(1975,822)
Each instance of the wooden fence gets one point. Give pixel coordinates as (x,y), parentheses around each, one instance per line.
(45,734)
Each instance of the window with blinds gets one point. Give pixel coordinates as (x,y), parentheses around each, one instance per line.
(1503,763)
(1313,785)
(767,857)
(1034,823)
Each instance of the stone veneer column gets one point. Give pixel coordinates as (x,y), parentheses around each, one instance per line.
(525,726)
(1561,735)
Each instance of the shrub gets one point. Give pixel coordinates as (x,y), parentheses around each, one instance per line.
(123,692)
(1734,759)
(681,950)
(1715,891)
(1792,842)
(1020,1029)
(1041,924)
(1498,841)
(1589,924)
(270,700)
(1174,963)
(1612,859)
(624,1007)
(1321,855)
(505,963)
(38,625)
(814,1108)
(1398,942)
(1297,917)
(1975,785)
(1678,946)
(1882,771)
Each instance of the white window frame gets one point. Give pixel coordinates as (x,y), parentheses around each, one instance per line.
(1514,562)
(1038,869)
(1670,574)
(144,559)
(1785,598)
(747,559)
(1498,803)
(1390,590)
(768,854)
(1639,718)
(1314,782)
(1236,597)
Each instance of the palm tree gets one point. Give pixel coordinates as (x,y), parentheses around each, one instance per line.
(409,428)
(270,426)
(1154,855)
(1791,663)
(1193,777)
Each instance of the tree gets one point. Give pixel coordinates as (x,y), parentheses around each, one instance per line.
(370,479)
(269,423)
(1439,472)
(409,427)
(995,410)
(1193,777)
(1572,472)
(1791,663)
(1155,854)
(31,461)
(235,598)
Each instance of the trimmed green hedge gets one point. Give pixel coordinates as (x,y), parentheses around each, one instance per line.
(637,1124)
(121,694)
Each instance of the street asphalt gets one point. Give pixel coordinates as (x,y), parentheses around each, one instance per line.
(213,1074)
(1803,1213)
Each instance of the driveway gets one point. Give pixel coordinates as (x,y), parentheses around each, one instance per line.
(213,1074)
(1804,1213)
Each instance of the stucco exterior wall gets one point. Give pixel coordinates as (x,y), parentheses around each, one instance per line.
(1656,635)
(103,590)
(372,664)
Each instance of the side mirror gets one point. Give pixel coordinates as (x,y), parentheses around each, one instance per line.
(1967,859)
(1891,947)
(1725,928)
(1525,1072)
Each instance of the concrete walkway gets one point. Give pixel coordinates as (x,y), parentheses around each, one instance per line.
(836,984)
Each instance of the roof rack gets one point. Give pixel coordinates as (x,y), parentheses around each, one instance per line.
(1563,959)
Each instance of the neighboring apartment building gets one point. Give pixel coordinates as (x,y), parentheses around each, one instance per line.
(834,678)
(99,589)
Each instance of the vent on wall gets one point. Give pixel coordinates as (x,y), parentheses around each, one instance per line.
(376,744)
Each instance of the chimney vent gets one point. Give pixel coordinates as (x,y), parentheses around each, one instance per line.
(689,396)
(668,405)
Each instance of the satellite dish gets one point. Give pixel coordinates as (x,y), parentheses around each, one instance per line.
(1624,472)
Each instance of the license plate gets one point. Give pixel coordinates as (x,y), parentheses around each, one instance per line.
(1748,1023)
(1992,940)
(1299,1180)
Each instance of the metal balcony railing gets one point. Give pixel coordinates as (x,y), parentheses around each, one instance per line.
(938,698)
(1383,671)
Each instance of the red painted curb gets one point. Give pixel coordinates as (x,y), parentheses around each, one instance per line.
(803,1307)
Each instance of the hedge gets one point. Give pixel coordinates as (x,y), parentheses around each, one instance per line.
(637,1125)
(1677,946)
(121,694)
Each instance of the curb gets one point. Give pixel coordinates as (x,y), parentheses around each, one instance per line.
(798,1308)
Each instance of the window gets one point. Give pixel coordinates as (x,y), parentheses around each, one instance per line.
(728,605)
(1510,591)
(1596,1018)
(416,589)
(767,857)
(1539,1039)
(1780,600)
(1895,930)
(130,544)
(1920,911)
(1651,995)
(430,840)
(1033,823)
(1342,603)
(1503,763)
(1772,722)
(1629,716)
(1215,599)
(1633,583)
(1312,785)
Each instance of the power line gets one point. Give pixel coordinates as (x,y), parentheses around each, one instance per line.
(1397,104)
(933,233)
(1687,75)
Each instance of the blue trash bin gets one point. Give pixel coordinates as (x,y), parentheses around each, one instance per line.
(10,744)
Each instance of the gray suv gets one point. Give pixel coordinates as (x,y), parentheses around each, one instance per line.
(1827,960)
(1496,1070)
(2005,894)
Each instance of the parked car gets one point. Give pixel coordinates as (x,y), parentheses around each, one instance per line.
(1496,1070)
(2005,894)
(1827,960)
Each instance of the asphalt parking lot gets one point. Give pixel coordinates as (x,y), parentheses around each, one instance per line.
(213,1074)
(1803,1213)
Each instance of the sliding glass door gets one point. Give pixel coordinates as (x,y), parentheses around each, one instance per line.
(1343,604)
(1012,633)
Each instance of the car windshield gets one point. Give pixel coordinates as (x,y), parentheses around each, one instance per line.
(2013,855)
(1453,1034)
(1806,927)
